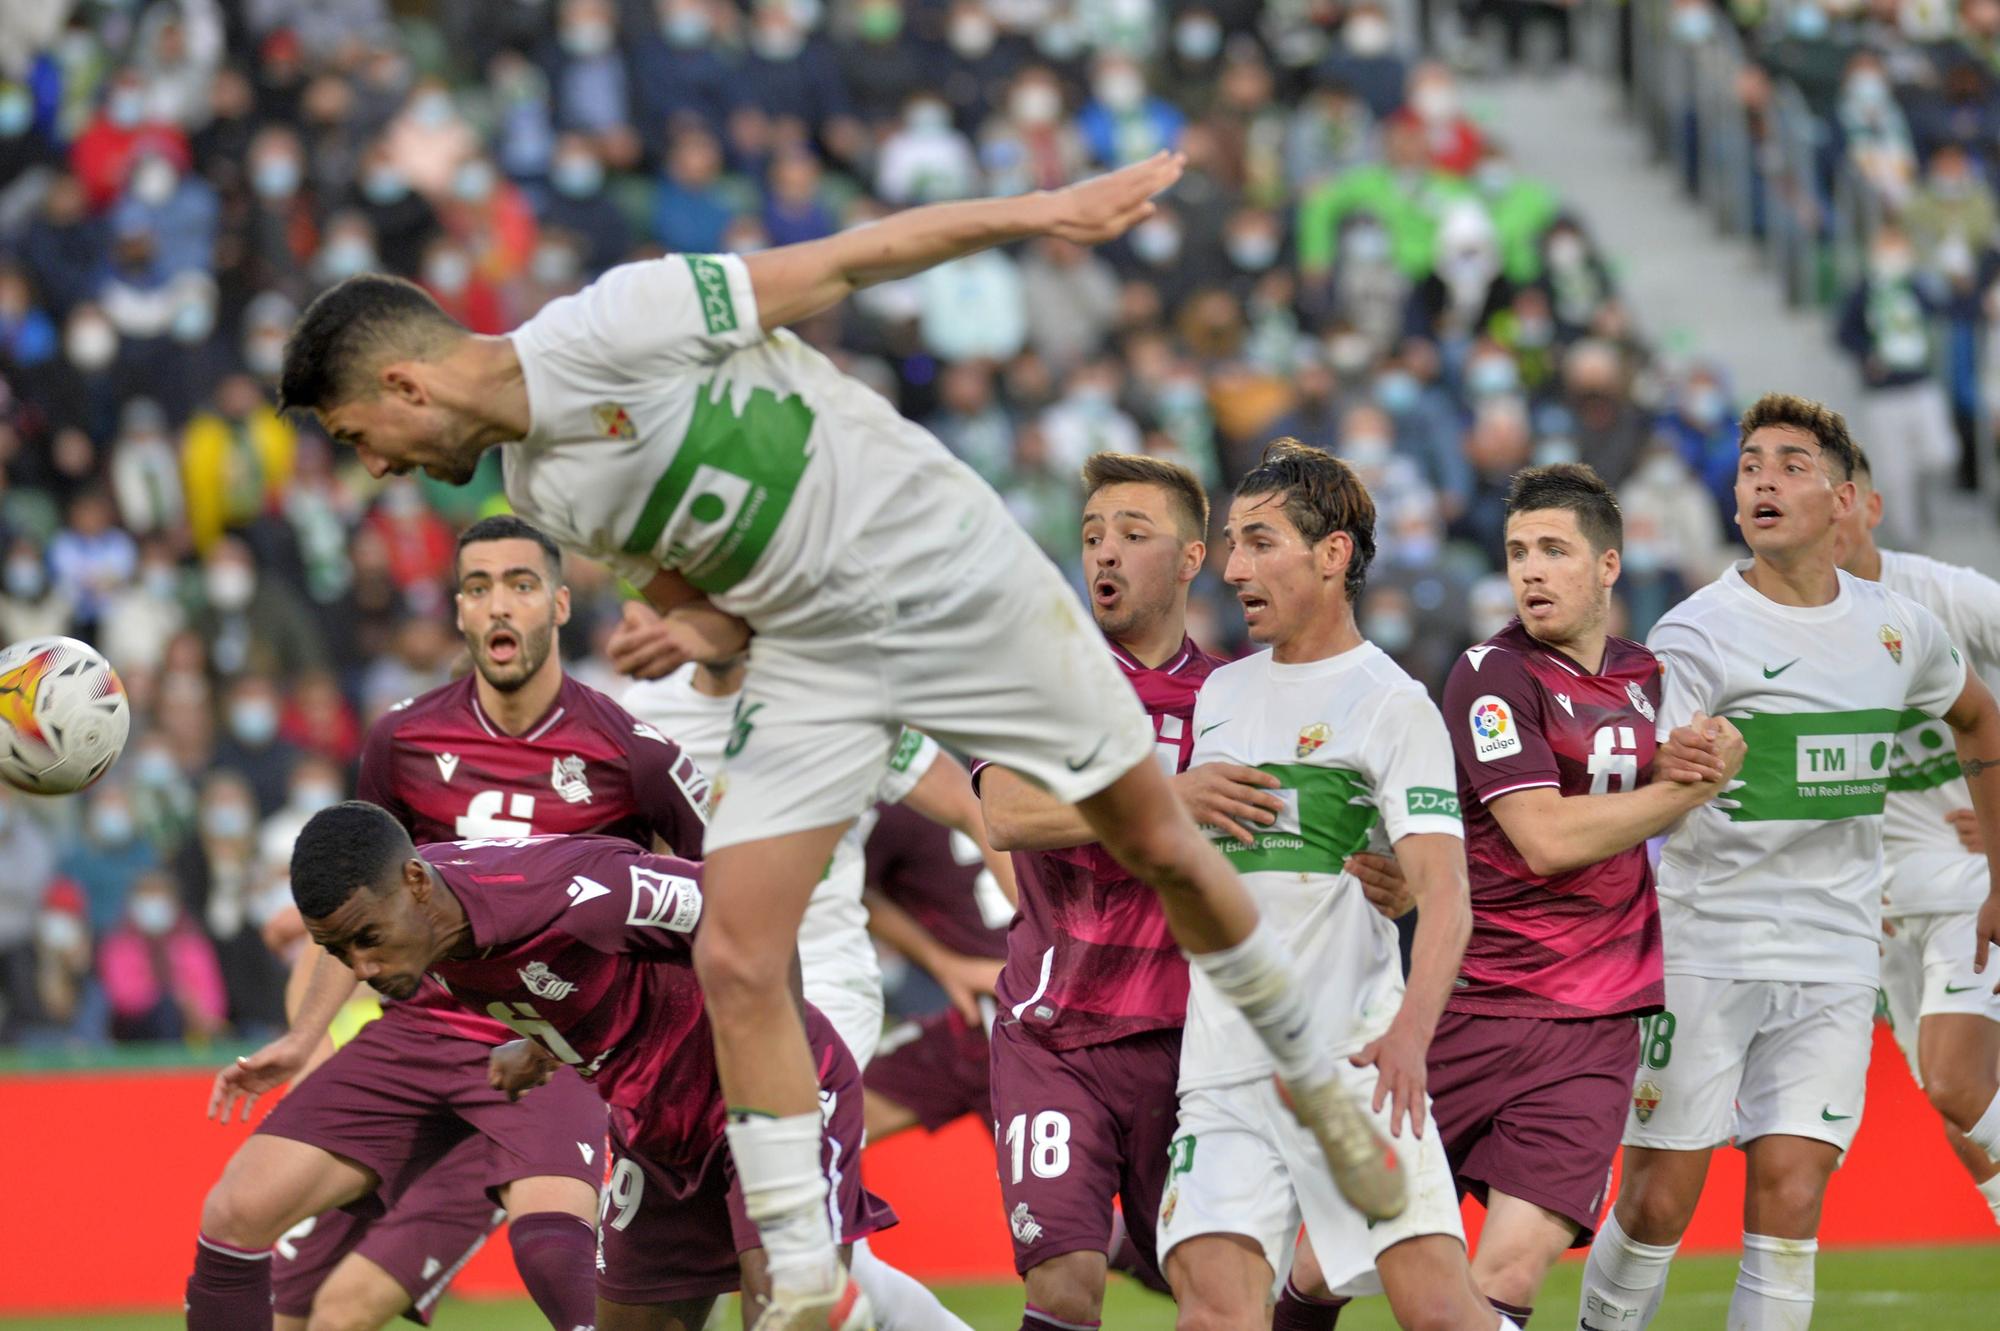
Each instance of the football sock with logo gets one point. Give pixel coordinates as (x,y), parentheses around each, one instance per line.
(784,1190)
(556,1254)
(1034,1319)
(1517,1316)
(1623,1281)
(1298,1311)
(1985,1134)
(900,1303)
(230,1289)
(1257,977)
(1774,1286)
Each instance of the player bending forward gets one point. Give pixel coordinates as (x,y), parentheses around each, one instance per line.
(583,945)
(663,419)
(1771,897)
(1361,759)
(1945,1016)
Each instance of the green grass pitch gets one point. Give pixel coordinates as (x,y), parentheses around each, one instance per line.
(1858,1291)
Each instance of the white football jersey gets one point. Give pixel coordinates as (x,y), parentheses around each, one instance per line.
(1364,761)
(669,430)
(701,725)
(1780,878)
(1924,780)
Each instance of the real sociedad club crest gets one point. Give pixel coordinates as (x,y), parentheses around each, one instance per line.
(1638,697)
(545,983)
(1892,641)
(1312,737)
(566,775)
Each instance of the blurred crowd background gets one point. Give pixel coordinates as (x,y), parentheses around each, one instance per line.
(1352,259)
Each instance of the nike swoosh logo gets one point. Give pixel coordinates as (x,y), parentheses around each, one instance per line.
(1078,764)
(1959,988)
(1831,1117)
(1205,729)
(1773,674)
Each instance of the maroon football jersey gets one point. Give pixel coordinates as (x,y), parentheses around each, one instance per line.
(933,873)
(440,765)
(1585,943)
(585,945)
(1090,958)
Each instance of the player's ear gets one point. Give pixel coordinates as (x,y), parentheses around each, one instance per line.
(1610,564)
(400,381)
(1874,509)
(1194,555)
(417,877)
(562,606)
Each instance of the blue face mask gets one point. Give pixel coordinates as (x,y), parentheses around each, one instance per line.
(17,112)
(1397,392)
(1809,23)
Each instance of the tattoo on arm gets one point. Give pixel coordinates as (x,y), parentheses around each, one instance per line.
(1973,767)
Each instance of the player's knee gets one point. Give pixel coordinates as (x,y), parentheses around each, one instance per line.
(1069,1288)
(231,1215)
(1515,1278)
(1790,1202)
(732,972)
(332,1312)
(1657,1216)
(1960,1094)
(1436,1310)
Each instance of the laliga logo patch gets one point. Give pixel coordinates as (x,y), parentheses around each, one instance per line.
(1892,641)
(1493,733)
(566,775)
(1312,737)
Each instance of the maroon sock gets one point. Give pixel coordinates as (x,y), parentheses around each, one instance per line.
(1520,1315)
(556,1254)
(1034,1319)
(230,1289)
(1304,1312)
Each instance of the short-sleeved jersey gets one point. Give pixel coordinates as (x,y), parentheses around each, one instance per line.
(1780,878)
(439,764)
(701,724)
(1090,958)
(1924,778)
(938,876)
(1362,761)
(669,430)
(1584,942)
(585,945)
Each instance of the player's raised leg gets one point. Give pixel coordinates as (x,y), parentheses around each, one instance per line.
(269,1185)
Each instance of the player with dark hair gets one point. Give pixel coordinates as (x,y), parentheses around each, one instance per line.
(583,945)
(514,748)
(665,419)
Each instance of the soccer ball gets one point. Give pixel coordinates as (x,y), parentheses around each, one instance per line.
(63,715)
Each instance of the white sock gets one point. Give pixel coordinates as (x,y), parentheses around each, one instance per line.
(1623,1281)
(900,1303)
(1508,1324)
(784,1190)
(1985,1134)
(1256,975)
(1990,1190)
(1774,1286)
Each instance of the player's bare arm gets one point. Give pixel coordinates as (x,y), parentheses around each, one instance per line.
(519,1066)
(286,1057)
(944,794)
(795,282)
(1022,816)
(1433,863)
(649,644)
(1556,833)
(1975,722)
(1227,796)
(965,980)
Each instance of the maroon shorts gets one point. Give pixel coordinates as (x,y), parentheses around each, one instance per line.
(430,1233)
(669,1233)
(396,1099)
(1076,1128)
(938,1068)
(1533,1107)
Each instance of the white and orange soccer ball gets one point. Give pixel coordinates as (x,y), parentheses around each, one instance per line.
(63,716)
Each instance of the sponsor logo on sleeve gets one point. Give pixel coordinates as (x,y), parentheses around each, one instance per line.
(663,901)
(711,288)
(1425,800)
(1492,725)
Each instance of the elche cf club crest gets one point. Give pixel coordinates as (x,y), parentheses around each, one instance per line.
(614,422)
(1892,642)
(1312,737)
(1645,1099)
(566,775)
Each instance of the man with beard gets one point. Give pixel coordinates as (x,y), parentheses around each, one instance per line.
(515,749)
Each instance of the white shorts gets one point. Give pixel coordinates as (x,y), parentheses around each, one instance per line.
(1927,971)
(993,656)
(1744,1059)
(849,991)
(1243,1165)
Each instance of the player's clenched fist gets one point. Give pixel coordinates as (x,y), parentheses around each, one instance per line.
(1708,750)
(519,1066)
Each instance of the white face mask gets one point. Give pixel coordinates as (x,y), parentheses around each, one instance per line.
(92,344)
(1036,104)
(229,586)
(1435,102)
(590,37)
(1368,35)
(448,272)
(1156,241)
(929,117)
(153,181)
(1120,89)
(59,931)
(153,915)
(972,35)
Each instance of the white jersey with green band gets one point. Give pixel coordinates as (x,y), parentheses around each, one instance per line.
(669,430)
(1781,877)
(1924,780)
(1363,760)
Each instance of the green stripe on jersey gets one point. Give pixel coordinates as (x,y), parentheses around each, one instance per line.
(1325,820)
(1926,755)
(1814,767)
(729,485)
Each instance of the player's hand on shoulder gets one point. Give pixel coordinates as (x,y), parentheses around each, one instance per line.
(1398,1060)
(1966,823)
(519,1066)
(1105,207)
(1382,882)
(1230,797)
(242,1082)
(649,645)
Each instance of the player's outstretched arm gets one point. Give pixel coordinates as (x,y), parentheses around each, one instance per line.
(286,1057)
(795,282)
(944,795)
(1433,865)
(964,979)
(1975,722)
(1022,816)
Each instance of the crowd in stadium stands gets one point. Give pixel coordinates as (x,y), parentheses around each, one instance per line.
(1351,259)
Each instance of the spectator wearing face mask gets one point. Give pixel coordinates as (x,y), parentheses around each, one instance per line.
(400,218)
(1875,134)
(237,456)
(1886,326)
(123,127)
(1700,420)
(146,471)
(449,275)
(179,208)
(1123,122)
(579,206)
(693,204)
(1575,278)
(91,558)
(160,974)
(251,746)
(1072,300)
(1364,60)
(250,621)
(1607,426)
(925,159)
(110,856)
(30,856)
(1467,288)
(1030,144)
(1403,193)
(316,784)
(881,62)
(1671,541)
(680,72)
(791,74)
(428,140)
(587,77)
(71,1007)
(30,604)
(1192,61)
(1452,143)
